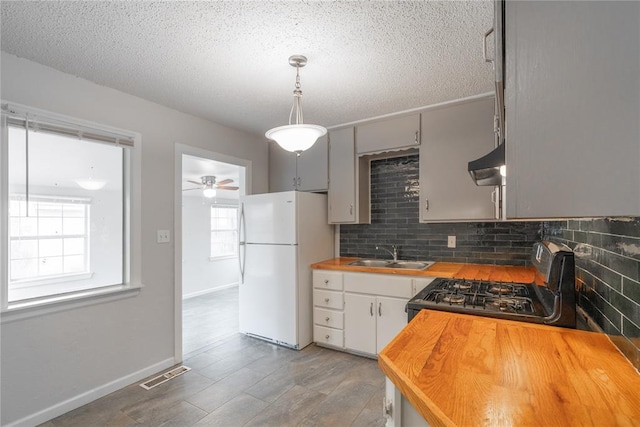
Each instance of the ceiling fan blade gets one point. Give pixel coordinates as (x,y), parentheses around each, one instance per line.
(226,187)
(189,189)
(224,182)
(195,182)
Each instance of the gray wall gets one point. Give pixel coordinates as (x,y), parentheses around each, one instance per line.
(394,221)
(607,274)
(52,361)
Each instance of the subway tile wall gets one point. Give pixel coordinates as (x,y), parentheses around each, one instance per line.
(607,252)
(394,221)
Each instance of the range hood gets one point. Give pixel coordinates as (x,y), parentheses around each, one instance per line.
(486,169)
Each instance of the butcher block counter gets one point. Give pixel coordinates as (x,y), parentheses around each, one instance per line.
(498,273)
(465,370)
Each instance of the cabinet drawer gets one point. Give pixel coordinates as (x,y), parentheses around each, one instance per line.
(327,280)
(328,336)
(330,318)
(329,299)
(378,284)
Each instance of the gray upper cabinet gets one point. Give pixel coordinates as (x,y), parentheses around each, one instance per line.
(307,172)
(390,134)
(282,169)
(572,102)
(348,180)
(313,167)
(452,136)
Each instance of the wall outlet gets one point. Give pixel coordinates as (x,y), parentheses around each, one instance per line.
(451,242)
(164,236)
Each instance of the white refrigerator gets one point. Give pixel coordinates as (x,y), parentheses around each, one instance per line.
(281,234)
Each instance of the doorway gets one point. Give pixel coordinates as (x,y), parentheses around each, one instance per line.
(208,188)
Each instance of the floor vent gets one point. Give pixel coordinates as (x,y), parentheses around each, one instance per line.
(163,378)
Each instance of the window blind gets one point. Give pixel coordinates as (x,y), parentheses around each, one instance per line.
(39,123)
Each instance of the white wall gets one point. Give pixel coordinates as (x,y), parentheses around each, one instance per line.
(199,274)
(65,355)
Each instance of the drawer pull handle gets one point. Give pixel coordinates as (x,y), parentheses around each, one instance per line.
(326,282)
(371,310)
(327,319)
(380,309)
(326,300)
(327,337)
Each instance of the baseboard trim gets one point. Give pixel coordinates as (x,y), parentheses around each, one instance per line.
(89,396)
(208,291)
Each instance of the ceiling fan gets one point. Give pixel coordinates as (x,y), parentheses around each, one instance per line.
(208,185)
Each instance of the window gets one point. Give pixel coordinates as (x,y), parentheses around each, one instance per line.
(49,242)
(67,226)
(224,231)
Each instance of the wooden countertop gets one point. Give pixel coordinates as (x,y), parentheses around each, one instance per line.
(499,273)
(465,370)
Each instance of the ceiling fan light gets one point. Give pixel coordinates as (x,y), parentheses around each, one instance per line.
(209,193)
(296,138)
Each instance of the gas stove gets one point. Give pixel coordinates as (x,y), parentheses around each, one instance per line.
(551,302)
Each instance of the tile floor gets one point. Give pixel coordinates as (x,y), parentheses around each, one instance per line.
(241,381)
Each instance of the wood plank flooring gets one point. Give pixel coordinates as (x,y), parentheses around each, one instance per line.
(241,381)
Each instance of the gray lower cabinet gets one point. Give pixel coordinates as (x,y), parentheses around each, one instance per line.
(348,196)
(328,308)
(361,312)
(572,102)
(307,172)
(374,310)
(452,136)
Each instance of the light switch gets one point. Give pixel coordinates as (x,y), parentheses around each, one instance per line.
(164,236)
(451,242)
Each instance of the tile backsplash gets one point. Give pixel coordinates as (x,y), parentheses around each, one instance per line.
(394,221)
(607,252)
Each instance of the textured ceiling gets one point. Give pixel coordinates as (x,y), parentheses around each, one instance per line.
(227,61)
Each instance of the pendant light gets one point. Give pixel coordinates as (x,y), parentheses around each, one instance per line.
(299,136)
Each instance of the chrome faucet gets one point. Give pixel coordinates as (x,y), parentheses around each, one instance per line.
(394,253)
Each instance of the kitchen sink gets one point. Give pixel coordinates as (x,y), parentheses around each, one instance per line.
(411,265)
(382,263)
(375,263)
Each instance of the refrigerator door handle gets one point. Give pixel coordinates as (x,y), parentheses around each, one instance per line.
(242,247)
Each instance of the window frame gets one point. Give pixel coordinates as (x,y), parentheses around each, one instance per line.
(130,281)
(211,231)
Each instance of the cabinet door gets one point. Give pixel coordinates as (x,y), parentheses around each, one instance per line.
(360,323)
(451,137)
(282,169)
(390,134)
(342,177)
(572,101)
(391,319)
(313,167)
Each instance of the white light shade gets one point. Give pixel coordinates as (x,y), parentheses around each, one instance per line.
(296,138)
(209,192)
(503,170)
(91,184)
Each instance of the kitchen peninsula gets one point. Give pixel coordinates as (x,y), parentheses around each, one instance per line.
(462,370)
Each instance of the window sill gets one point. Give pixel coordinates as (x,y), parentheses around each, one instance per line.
(19,310)
(62,278)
